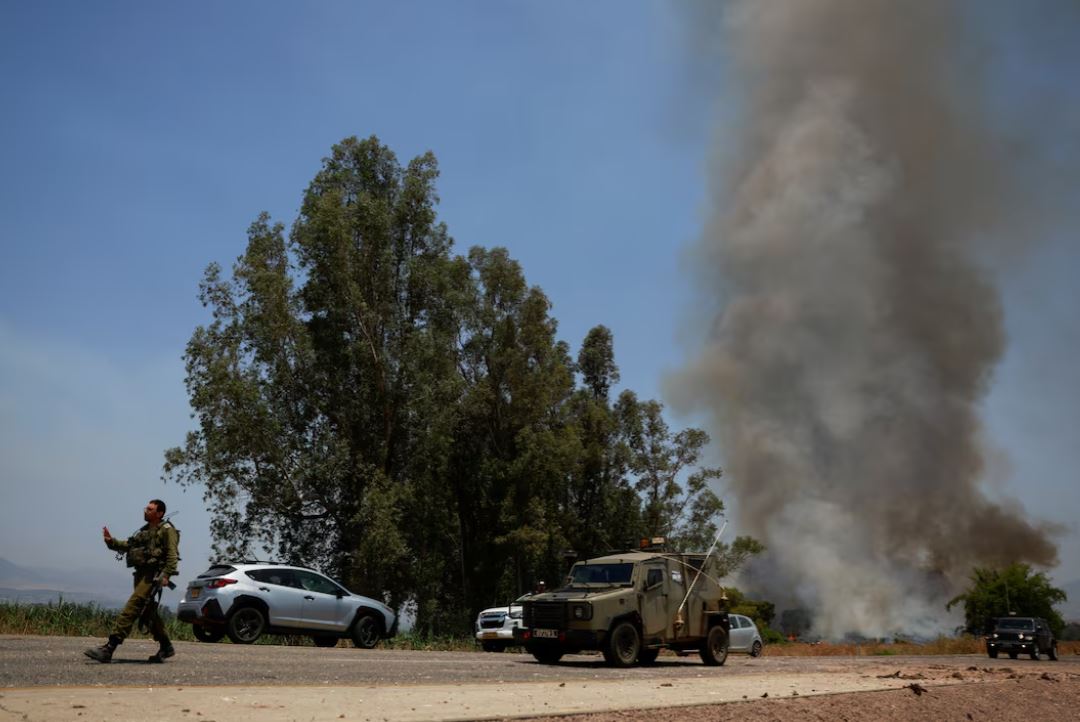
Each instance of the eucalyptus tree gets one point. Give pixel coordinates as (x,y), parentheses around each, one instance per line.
(513,444)
(606,508)
(676,490)
(327,360)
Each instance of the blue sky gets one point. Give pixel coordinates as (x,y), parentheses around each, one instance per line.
(140,140)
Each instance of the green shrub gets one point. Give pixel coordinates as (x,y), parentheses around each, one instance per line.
(771,636)
(65,619)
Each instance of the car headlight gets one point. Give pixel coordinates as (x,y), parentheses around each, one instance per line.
(581,611)
(515,614)
(1020,636)
(994,635)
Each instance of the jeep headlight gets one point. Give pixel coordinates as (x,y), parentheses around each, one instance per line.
(515,613)
(581,611)
(1020,636)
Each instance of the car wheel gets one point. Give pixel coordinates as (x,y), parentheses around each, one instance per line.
(715,649)
(245,625)
(207,634)
(365,632)
(547,656)
(623,645)
(648,656)
(1052,654)
(992,653)
(325,640)
(493,646)
(755,651)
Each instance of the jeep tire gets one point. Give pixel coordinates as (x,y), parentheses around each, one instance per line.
(1052,653)
(714,649)
(547,655)
(623,645)
(648,656)
(992,653)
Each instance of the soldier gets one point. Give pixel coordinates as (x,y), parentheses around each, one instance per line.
(152,553)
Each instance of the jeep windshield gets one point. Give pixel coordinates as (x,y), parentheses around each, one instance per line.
(589,574)
(1020,625)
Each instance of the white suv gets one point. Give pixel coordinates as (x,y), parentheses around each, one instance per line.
(495,626)
(247,600)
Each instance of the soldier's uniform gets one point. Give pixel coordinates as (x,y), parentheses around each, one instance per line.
(150,551)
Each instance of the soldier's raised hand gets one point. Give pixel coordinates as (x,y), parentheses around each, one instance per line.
(105,534)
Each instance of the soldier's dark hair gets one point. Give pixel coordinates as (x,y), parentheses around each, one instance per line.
(158,504)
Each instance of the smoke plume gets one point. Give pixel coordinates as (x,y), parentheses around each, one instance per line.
(859,202)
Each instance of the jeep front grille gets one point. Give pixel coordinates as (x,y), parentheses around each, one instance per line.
(546,615)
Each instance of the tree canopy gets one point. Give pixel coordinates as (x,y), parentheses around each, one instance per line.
(1016,589)
(371,404)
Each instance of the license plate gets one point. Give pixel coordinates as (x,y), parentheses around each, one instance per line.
(546,633)
(489,635)
(194,593)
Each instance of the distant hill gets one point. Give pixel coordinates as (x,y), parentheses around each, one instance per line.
(11,574)
(38,586)
(45,596)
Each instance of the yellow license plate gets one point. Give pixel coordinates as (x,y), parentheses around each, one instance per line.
(195,593)
(489,635)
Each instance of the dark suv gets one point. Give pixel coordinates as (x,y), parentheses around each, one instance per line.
(1016,635)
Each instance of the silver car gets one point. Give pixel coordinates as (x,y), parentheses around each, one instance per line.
(744,635)
(247,600)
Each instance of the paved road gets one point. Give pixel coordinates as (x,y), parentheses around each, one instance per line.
(48,678)
(31,661)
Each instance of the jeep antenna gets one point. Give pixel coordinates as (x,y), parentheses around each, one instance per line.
(678,614)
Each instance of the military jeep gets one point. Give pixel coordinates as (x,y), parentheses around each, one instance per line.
(629,606)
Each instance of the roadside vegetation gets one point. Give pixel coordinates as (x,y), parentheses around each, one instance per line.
(66,619)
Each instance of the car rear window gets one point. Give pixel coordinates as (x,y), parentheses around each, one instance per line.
(280,577)
(1022,624)
(217,570)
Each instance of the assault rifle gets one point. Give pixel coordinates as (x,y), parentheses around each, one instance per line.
(152,601)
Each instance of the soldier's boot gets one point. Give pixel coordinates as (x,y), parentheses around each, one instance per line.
(104,653)
(165,650)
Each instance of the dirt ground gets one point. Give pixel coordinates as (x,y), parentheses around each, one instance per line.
(933,693)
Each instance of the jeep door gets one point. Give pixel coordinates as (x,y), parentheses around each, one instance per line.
(323,607)
(654,601)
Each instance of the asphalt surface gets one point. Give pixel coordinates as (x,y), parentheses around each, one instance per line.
(33,661)
(48,678)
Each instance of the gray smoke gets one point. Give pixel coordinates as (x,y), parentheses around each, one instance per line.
(851,319)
